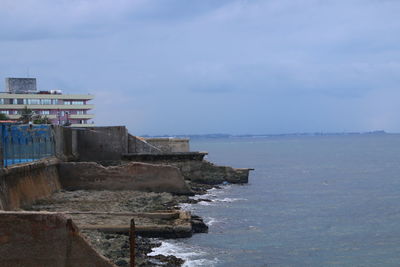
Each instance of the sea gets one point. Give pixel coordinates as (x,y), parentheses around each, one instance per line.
(311,201)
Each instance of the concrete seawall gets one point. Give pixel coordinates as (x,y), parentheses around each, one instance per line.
(170,145)
(22,184)
(130,176)
(194,168)
(44,239)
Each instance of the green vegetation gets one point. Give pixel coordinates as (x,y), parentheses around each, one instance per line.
(27,115)
(3,117)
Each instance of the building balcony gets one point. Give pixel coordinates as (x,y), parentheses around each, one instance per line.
(81,116)
(35,107)
(16,117)
(46,96)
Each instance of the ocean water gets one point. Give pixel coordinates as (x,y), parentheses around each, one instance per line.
(311,201)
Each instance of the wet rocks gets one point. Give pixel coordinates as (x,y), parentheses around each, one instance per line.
(198,225)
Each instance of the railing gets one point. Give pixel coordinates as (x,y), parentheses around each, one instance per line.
(25,143)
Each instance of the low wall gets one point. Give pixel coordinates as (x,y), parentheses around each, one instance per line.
(102,143)
(22,184)
(165,157)
(131,176)
(44,239)
(194,168)
(168,145)
(139,145)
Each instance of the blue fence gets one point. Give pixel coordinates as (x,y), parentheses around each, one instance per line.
(25,143)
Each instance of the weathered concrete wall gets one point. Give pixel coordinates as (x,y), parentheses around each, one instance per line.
(131,176)
(208,173)
(102,143)
(65,142)
(46,240)
(139,145)
(168,145)
(22,184)
(194,168)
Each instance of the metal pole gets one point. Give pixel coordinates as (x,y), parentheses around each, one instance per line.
(132,241)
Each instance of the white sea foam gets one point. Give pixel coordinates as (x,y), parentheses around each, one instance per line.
(193,256)
(210,221)
(204,203)
(228,199)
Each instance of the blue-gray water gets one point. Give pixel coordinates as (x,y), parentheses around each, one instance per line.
(311,201)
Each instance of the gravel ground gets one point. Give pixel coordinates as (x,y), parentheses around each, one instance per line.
(115,246)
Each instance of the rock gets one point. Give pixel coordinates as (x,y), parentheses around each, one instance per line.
(121,263)
(198,225)
(170,260)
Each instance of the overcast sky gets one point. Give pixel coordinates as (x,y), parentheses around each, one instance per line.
(209,66)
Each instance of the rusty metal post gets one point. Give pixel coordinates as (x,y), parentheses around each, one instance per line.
(132,241)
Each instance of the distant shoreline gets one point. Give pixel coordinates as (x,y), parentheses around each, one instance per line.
(199,136)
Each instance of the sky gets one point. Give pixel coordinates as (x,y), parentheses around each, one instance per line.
(214,66)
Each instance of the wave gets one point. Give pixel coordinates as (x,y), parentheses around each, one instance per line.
(228,199)
(193,256)
(210,221)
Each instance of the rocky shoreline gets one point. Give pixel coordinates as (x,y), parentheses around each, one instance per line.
(115,246)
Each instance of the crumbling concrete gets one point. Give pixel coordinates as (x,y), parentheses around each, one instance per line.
(44,239)
(194,168)
(167,224)
(130,176)
(22,184)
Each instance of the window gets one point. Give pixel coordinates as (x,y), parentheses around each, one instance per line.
(46,101)
(1,101)
(74,102)
(4,112)
(80,112)
(45,112)
(31,101)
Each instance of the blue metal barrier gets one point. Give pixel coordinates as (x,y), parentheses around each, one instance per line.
(25,143)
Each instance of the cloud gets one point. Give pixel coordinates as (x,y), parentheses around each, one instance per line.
(294,65)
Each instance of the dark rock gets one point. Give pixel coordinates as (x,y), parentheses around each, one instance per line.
(198,225)
(170,260)
(121,263)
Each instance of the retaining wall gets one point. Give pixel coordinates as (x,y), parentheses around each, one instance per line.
(130,176)
(66,142)
(194,168)
(170,145)
(139,145)
(22,184)
(102,143)
(44,239)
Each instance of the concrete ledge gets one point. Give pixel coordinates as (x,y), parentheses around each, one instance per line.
(176,156)
(156,230)
(29,166)
(168,145)
(165,215)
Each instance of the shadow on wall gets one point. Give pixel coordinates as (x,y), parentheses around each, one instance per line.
(44,239)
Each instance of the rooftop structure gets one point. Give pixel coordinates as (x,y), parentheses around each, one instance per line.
(59,108)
